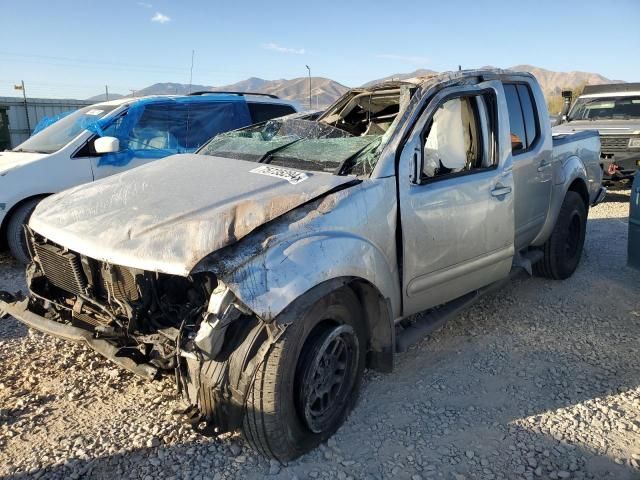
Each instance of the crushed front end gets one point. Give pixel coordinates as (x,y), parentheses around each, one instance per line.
(149,323)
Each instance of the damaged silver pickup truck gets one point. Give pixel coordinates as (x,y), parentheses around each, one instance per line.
(270,268)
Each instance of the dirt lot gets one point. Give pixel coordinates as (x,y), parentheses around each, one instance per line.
(540,380)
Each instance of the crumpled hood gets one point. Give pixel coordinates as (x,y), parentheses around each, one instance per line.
(168,215)
(11,160)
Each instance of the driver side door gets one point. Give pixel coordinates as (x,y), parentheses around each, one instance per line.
(456,197)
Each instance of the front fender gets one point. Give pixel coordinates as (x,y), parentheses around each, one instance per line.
(272,280)
(570,170)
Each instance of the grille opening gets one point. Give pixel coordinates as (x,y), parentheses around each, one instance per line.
(80,275)
(613,143)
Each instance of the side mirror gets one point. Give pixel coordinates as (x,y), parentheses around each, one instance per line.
(106,145)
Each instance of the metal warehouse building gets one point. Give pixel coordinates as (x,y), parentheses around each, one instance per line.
(17,121)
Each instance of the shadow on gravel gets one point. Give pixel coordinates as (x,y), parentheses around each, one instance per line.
(13,415)
(617,197)
(11,329)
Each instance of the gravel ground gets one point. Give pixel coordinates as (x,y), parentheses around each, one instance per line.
(540,380)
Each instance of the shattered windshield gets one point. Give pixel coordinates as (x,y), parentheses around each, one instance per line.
(60,133)
(298,143)
(614,107)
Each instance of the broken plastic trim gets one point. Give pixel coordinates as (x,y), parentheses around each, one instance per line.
(222,311)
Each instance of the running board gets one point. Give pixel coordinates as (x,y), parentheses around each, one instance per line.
(432,321)
(438,316)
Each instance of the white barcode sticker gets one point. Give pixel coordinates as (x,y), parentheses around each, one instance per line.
(291,176)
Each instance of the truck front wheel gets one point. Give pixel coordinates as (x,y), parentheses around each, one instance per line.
(309,380)
(563,249)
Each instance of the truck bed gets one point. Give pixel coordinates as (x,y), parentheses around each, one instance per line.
(584,145)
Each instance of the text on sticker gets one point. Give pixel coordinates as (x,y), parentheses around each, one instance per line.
(291,176)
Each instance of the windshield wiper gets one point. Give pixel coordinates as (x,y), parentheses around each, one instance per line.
(348,162)
(266,157)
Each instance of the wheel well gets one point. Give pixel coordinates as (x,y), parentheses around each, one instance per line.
(5,221)
(376,312)
(580,188)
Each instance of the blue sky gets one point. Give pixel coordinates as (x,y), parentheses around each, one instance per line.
(71,48)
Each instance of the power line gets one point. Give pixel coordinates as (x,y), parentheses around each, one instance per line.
(76,63)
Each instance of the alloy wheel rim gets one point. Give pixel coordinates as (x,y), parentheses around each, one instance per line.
(328,377)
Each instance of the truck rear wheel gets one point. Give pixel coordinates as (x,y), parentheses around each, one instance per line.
(16,239)
(308,382)
(563,249)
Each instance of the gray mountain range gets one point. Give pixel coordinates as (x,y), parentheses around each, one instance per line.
(324,90)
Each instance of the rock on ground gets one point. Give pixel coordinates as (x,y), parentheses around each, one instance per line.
(539,380)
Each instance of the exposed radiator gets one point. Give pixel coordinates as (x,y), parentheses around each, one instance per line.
(66,271)
(62,269)
(119,282)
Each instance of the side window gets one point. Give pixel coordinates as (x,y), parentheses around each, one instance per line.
(113,130)
(153,130)
(261,112)
(530,123)
(516,120)
(454,140)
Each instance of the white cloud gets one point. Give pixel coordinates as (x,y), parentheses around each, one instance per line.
(160,18)
(405,58)
(145,4)
(278,48)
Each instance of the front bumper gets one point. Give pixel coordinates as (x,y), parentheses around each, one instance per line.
(620,165)
(19,309)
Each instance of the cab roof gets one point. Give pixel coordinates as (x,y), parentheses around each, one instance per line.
(254,98)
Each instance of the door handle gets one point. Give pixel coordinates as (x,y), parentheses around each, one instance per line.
(543,164)
(499,191)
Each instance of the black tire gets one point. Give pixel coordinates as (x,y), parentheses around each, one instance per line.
(563,249)
(279,418)
(16,239)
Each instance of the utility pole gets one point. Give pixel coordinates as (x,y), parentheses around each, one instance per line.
(310,105)
(193,52)
(24,97)
(106,92)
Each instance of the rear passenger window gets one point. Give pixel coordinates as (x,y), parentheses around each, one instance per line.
(516,120)
(522,116)
(528,112)
(261,112)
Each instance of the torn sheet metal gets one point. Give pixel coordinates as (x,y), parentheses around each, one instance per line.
(168,215)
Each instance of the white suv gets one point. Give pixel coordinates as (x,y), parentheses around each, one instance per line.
(111,137)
